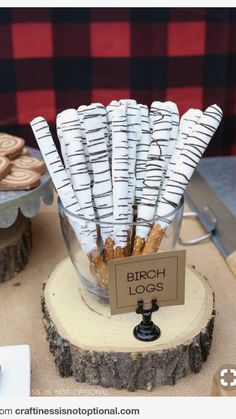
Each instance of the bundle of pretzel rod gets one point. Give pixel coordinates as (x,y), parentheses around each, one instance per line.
(121,164)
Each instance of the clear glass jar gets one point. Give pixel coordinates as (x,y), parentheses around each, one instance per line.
(81,259)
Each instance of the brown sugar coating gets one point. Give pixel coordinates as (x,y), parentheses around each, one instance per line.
(98,268)
(108,253)
(120,252)
(138,246)
(154,239)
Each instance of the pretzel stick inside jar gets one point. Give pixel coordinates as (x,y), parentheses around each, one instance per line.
(102,187)
(187,123)
(62,143)
(192,152)
(120,180)
(80,111)
(109,114)
(142,153)
(78,171)
(134,137)
(153,176)
(68,198)
(171,144)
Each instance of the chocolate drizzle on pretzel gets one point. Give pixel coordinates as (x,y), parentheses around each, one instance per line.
(122,164)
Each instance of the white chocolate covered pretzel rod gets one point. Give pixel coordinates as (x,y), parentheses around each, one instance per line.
(187,123)
(102,187)
(109,111)
(134,137)
(80,111)
(142,152)
(102,111)
(62,143)
(60,178)
(171,144)
(154,109)
(194,147)
(78,171)
(116,113)
(68,198)
(153,175)
(120,179)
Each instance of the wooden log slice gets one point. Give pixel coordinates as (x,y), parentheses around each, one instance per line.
(15,247)
(97,348)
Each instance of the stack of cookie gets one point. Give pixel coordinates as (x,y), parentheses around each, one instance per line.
(18,170)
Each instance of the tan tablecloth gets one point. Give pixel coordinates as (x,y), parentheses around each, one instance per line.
(21,317)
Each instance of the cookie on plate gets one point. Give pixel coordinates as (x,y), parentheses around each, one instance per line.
(10,146)
(20,179)
(29,163)
(5,167)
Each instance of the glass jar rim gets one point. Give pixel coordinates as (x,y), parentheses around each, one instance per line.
(170,214)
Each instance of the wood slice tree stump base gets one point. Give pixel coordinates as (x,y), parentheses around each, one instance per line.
(15,247)
(97,348)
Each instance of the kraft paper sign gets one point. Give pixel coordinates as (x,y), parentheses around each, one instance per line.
(160,276)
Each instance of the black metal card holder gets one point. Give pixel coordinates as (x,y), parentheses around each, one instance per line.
(146,330)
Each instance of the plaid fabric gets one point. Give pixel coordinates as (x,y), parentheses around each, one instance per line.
(51,59)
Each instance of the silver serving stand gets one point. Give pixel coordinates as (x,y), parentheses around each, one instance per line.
(16,210)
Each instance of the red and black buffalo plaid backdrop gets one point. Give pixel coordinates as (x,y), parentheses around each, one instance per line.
(55,58)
